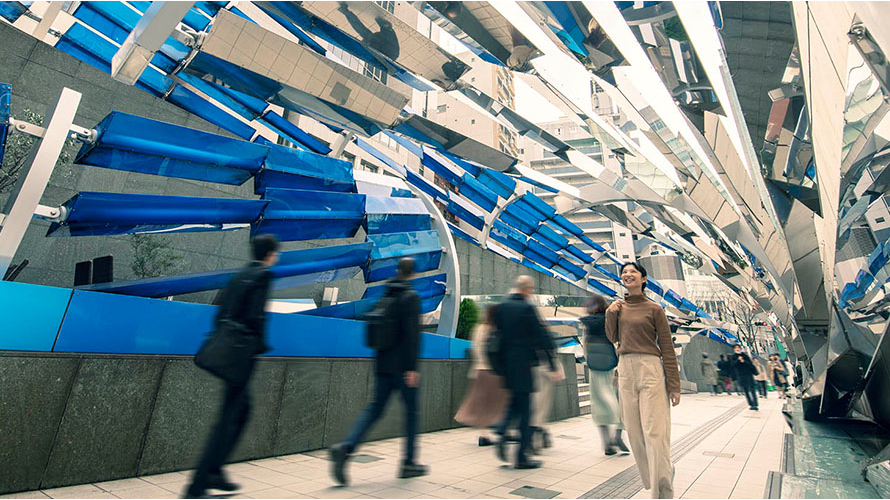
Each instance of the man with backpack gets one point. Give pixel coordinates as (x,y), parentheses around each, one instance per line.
(521,338)
(394,332)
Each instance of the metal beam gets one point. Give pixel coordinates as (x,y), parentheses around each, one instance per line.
(150,33)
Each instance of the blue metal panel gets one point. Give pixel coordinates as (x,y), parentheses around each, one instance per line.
(471,167)
(347,310)
(405,143)
(431,189)
(434,346)
(602,288)
(225,96)
(133,143)
(33,316)
(568,226)
(547,243)
(537,184)
(457,208)
(538,204)
(499,182)
(573,270)
(476,192)
(606,272)
(568,32)
(592,244)
(113,19)
(295,214)
(11,11)
(580,254)
(92,214)
(508,236)
(537,267)
(432,160)
(550,257)
(423,246)
(395,215)
(557,239)
(193,103)
(315,336)
(117,324)
(293,29)
(294,268)
(654,286)
(456,231)
(525,212)
(294,133)
(426,287)
(298,169)
(522,224)
(87,46)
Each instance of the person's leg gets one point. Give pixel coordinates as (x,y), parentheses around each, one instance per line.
(217,441)
(655,417)
(383,386)
(603,407)
(523,408)
(629,400)
(241,412)
(504,425)
(750,394)
(409,397)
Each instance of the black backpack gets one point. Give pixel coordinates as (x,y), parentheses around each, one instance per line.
(382,323)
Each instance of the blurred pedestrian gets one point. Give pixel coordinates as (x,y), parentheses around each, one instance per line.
(524,341)
(242,307)
(724,370)
(762,376)
(777,374)
(709,373)
(648,379)
(601,361)
(395,368)
(486,400)
(743,371)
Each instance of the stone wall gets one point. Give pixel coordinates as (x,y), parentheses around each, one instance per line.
(72,419)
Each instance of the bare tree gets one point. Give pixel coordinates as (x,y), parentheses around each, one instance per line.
(744,317)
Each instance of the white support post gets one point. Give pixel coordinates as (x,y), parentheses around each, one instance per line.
(46,22)
(25,197)
(340,144)
(492,216)
(449,264)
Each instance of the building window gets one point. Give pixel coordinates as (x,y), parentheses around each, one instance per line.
(370,167)
(442,108)
(622,234)
(879,220)
(389,6)
(473,122)
(375,73)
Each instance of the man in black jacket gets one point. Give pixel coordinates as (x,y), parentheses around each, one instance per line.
(524,340)
(395,368)
(743,371)
(243,301)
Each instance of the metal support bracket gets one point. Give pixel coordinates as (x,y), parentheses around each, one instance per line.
(340,144)
(24,199)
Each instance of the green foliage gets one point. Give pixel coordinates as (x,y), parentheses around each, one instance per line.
(557,301)
(152,256)
(673,28)
(18,145)
(467,317)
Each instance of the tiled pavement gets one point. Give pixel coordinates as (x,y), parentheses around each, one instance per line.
(732,461)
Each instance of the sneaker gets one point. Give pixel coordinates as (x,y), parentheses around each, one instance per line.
(609,451)
(546,440)
(501,448)
(219,482)
(339,455)
(485,441)
(412,470)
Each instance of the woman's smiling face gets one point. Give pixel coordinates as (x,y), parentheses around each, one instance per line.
(631,277)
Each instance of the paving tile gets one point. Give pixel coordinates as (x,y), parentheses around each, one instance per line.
(166,478)
(26,494)
(81,491)
(148,491)
(125,484)
(395,493)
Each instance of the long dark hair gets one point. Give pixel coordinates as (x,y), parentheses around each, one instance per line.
(638,267)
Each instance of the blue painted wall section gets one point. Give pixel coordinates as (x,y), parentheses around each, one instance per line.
(96,322)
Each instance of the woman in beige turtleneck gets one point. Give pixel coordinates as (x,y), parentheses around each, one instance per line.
(648,374)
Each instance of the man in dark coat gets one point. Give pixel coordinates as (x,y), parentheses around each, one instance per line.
(395,368)
(724,370)
(743,372)
(524,339)
(243,301)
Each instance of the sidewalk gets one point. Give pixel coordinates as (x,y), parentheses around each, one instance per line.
(720,449)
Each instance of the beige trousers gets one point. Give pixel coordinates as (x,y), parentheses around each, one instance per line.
(646,413)
(542,398)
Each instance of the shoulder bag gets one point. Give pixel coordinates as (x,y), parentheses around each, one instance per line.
(228,353)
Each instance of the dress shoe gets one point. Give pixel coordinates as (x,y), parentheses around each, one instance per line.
(528,463)
(412,470)
(339,455)
(485,441)
(545,437)
(219,482)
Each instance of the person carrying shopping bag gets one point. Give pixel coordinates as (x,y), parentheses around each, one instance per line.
(648,379)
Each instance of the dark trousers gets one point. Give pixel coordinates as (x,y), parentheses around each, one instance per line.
(750,389)
(223,437)
(384,385)
(761,385)
(520,408)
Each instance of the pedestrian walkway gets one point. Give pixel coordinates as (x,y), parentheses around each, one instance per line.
(721,450)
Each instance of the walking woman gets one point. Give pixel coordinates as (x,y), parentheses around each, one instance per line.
(777,374)
(648,374)
(761,376)
(486,400)
(601,360)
